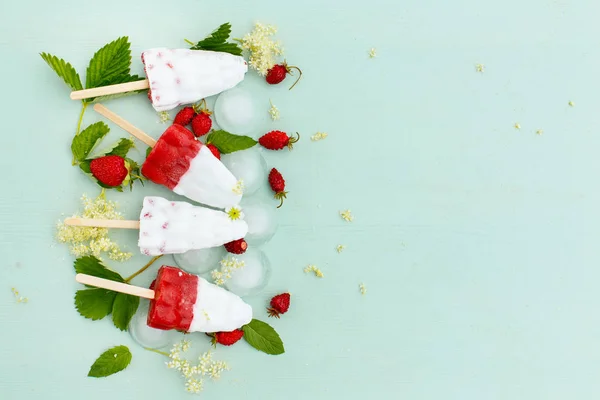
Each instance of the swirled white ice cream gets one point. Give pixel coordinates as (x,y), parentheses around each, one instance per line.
(182,76)
(169,227)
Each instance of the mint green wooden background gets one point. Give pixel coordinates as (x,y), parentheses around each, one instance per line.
(478,243)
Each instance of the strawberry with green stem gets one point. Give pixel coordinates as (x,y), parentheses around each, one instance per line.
(279,72)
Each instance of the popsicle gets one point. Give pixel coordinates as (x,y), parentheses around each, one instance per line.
(184,302)
(179,76)
(183,164)
(171,227)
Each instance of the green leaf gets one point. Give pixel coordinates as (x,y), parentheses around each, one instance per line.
(123,310)
(263,337)
(90,265)
(85,167)
(110,64)
(64,70)
(216,41)
(148,150)
(120,148)
(228,143)
(110,362)
(94,304)
(83,144)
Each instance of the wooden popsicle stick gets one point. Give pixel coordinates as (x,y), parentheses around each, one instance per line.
(127,126)
(111,89)
(114,286)
(103,223)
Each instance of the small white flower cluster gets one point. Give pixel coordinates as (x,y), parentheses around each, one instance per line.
(347,215)
(339,248)
(373,52)
(363,289)
(163,117)
(274,111)
(93,241)
(313,268)
(263,50)
(239,187)
(193,373)
(480,68)
(228,265)
(18,297)
(318,136)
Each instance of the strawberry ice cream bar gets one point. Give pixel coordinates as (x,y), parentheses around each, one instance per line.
(188,303)
(171,227)
(187,167)
(181,76)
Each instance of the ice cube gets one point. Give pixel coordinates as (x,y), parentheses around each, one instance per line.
(252,278)
(146,336)
(249,166)
(235,111)
(261,219)
(200,261)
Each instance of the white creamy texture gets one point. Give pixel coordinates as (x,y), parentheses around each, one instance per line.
(208,181)
(182,76)
(170,227)
(218,310)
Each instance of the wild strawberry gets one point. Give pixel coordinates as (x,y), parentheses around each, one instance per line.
(201,123)
(237,246)
(226,338)
(280,304)
(278,73)
(184,116)
(214,150)
(110,170)
(277,185)
(277,140)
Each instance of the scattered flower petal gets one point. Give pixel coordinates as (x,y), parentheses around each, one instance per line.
(239,187)
(18,297)
(373,52)
(228,265)
(347,215)
(313,268)
(274,111)
(571,104)
(363,289)
(517,125)
(480,68)
(163,117)
(318,136)
(340,247)
(539,132)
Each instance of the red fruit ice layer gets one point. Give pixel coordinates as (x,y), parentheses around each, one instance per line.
(175,293)
(171,156)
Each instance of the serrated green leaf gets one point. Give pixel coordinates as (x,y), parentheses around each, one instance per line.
(228,143)
(110,362)
(263,337)
(94,303)
(90,265)
(110,64)
(120,148)
(123,310)
(216,41)
(148,150)
(64,70)
(83,144)
(85,167)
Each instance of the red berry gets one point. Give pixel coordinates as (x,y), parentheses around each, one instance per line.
(227,338)
(277,185)
(184,116)
(277,140)
(280,304)
(237,246)
(109,170)
(214,150)
(278,72)
(201,123)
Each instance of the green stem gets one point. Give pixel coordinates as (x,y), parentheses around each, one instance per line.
(145,267)
(156,351)
(238,40)
(83,107)
(189,42)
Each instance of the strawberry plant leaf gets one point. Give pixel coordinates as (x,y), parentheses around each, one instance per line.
(120,148)
(110,362)
(90,265)
(94,303)
(64,70)
(148,150)
(110,65)
(83,144)
(217,41)
(228,143)
(123,309)
(263,337)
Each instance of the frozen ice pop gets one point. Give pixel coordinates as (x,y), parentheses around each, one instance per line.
(179,76)
(170,227)
(189,303)
(183,301)
(183,164)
